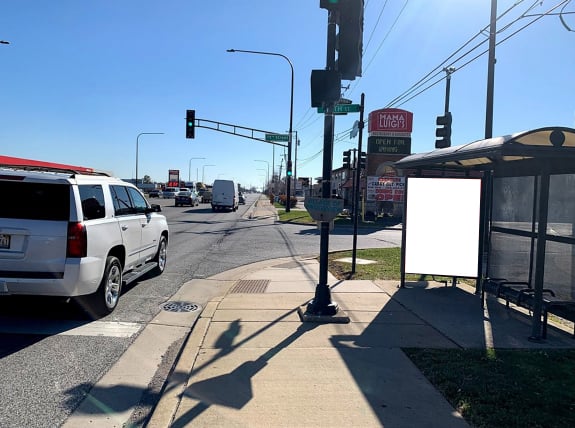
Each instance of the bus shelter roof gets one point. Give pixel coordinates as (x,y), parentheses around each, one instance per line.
(549,144)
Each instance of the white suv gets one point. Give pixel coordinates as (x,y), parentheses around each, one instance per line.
(80,235)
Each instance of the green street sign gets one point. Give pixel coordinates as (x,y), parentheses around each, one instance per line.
(342,109)
(277,137)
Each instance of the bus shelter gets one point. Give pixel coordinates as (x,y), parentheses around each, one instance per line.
(522,215)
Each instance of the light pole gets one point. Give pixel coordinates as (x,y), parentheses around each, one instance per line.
(268,172)
(288,181)
(137,145)
(203,172)
(262,176)
(190,169)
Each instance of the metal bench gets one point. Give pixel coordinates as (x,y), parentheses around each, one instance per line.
(521,294)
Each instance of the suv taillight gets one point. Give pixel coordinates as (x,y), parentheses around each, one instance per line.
(77,240)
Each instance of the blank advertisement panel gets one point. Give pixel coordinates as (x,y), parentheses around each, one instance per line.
(442,226)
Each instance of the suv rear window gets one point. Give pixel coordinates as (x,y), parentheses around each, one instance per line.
(35,201)
(93,204)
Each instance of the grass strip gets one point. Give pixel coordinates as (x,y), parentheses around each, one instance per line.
(504,388)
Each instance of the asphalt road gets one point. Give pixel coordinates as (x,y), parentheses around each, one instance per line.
(51,356)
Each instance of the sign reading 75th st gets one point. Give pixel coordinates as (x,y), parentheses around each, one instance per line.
(342,108)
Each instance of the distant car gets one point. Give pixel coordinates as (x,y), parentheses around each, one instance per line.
(170,192)
(241,199)
(155,193)
(190,198)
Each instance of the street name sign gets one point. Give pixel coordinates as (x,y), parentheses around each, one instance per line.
(342,109)
(323,209)
(277,137)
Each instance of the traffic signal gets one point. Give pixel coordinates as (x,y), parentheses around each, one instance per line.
(190,123)
(349,43)
(362,160)
(347,159)
(444,131)
(289,172)
(325,87)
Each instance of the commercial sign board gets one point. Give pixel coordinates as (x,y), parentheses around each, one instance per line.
(389,145)
(387,188)
(173,177)
(390,120)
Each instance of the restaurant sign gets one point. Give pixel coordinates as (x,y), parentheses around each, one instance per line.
(389,145)
(390,120)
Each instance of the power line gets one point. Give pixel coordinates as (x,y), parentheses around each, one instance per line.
(407,95)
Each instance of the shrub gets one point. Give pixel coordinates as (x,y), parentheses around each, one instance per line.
(283,199)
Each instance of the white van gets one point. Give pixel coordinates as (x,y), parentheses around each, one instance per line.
(224,195)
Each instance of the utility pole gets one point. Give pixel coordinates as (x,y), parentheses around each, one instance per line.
(491,71)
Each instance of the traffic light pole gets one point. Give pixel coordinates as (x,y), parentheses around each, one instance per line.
(321,303)
(357,187)
(448,72)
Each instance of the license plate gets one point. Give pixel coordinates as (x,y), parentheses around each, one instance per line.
(4,241)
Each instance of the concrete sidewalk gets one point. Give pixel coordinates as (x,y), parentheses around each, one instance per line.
(251,361)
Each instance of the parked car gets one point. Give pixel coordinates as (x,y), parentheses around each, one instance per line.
(76,234)
(170,192)
(155,193)
(224,195)
(190,198)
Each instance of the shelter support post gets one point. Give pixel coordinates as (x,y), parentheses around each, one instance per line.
(540,259)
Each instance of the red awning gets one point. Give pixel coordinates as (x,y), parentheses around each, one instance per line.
(9,160)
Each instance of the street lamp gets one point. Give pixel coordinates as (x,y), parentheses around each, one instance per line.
(268,172)
(137,144)
(288,181)
(190,169)
(4,42)
(203,172)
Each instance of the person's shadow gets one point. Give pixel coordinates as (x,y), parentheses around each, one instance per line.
(232,389)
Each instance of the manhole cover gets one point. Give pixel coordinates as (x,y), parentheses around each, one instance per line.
(180,306)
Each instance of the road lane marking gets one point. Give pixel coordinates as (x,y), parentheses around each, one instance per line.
(69,328)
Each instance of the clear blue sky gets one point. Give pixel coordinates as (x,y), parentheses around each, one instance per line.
(81,79)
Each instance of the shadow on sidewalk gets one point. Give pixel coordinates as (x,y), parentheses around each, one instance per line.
(233,389)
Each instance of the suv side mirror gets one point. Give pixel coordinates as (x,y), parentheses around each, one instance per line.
(154,208)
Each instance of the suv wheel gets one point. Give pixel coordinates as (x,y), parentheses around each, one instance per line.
(105,299)
(162,255)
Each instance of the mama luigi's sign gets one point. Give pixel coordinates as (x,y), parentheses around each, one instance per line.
(390,121)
